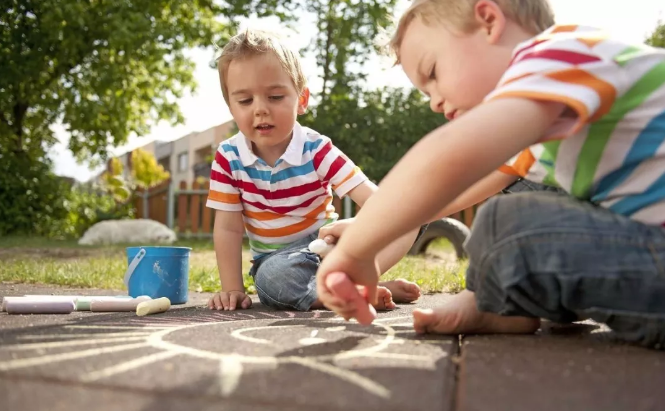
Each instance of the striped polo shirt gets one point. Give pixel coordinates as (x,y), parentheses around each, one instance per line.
(609,147)
(287,202)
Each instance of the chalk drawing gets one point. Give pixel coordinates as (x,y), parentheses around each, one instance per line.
(153,343)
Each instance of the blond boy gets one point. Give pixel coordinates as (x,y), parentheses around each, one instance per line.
(566,106)
(274,180)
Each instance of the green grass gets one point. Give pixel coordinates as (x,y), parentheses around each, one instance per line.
(28,260)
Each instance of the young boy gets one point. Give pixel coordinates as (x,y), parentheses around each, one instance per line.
(274,179)
(563,105)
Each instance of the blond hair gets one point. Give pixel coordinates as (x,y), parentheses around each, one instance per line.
(251,43)
(534,16)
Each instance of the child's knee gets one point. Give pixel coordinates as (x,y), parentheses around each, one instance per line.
(284,281)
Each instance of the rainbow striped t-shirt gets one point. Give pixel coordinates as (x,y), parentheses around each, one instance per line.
(609,146)
(285,203)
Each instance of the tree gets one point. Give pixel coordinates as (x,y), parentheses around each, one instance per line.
(657,38)
(146,171)
(345,40)
(376,128)
(104,70)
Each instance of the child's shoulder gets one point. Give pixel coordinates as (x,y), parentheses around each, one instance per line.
(578,44)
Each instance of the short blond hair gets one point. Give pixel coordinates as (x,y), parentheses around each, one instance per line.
(534,16)
(251,43)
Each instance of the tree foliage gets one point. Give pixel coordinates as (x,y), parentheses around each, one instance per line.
(657,38)
(104,69)
(146,171)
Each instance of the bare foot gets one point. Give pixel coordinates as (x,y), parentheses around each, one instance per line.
(403,291)
(385,299)
(461,316)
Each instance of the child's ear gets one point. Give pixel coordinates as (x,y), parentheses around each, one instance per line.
(491,19)
(303,101)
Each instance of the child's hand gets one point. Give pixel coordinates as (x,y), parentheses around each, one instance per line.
(229,301)
(332,232)
(363,272)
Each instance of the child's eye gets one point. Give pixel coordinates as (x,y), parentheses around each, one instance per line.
(432,74)
(277,98)
(245,102)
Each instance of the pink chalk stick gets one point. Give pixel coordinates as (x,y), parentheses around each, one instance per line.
(20,306)
(340,285)
(117,305)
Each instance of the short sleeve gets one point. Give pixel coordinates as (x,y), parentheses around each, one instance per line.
(569,68)
(333,167)
(223,194)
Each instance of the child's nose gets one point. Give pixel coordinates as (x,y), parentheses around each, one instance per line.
(436,104)
(260,107)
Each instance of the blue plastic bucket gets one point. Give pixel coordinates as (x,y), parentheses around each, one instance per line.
(158,272)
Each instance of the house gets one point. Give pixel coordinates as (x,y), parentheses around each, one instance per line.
(187,157)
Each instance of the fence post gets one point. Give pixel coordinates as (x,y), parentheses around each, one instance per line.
(170,205)
(348,205)
(145,194)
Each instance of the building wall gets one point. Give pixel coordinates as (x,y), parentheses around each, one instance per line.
(194,148)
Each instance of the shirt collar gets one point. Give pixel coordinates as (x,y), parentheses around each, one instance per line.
(292,155)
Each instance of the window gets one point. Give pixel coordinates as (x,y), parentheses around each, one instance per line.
(182,162)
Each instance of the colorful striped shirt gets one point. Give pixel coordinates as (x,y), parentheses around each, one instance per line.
(287,202)
(609,145)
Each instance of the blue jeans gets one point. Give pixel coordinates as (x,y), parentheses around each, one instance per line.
(546,255)
(286,279)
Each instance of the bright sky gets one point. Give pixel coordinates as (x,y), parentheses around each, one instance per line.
(632,20)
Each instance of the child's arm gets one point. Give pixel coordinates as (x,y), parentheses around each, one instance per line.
(396,250)
(481,191)
(430,176)
(227,235)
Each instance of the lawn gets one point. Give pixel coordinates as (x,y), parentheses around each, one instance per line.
(30,260)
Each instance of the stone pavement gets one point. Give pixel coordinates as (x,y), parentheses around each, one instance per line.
(196,359)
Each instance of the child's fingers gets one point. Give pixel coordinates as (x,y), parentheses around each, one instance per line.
(232,301)
(215,302)
(224,299)
(246,302)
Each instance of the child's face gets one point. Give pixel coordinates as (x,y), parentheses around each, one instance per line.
(264,102)
(455,70)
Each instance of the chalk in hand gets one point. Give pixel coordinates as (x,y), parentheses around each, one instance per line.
(341,286)
(320,247)
(153,306)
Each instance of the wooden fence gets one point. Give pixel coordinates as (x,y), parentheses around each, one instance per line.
(183,209)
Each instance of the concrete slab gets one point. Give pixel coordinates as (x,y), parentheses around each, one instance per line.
(194,358)
(574,367)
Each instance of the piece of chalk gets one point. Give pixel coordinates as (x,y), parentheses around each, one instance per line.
(83,302)
(320,247)
(16,306)
(340,285)
(116,305)
(43,298)
(153,306)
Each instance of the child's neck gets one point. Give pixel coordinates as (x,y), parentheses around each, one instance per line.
(271,154)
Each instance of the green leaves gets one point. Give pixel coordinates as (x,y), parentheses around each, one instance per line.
(376,128)
(657,38)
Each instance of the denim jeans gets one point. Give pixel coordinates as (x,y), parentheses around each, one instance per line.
(546,255)
(286,279)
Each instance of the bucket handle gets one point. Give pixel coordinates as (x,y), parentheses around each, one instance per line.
(132,266)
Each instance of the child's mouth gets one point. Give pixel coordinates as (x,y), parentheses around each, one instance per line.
(264,129)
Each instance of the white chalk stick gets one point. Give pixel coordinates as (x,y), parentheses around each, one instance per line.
(32,298)
(116,305)
(17,306)
(320,247)
(153,306)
